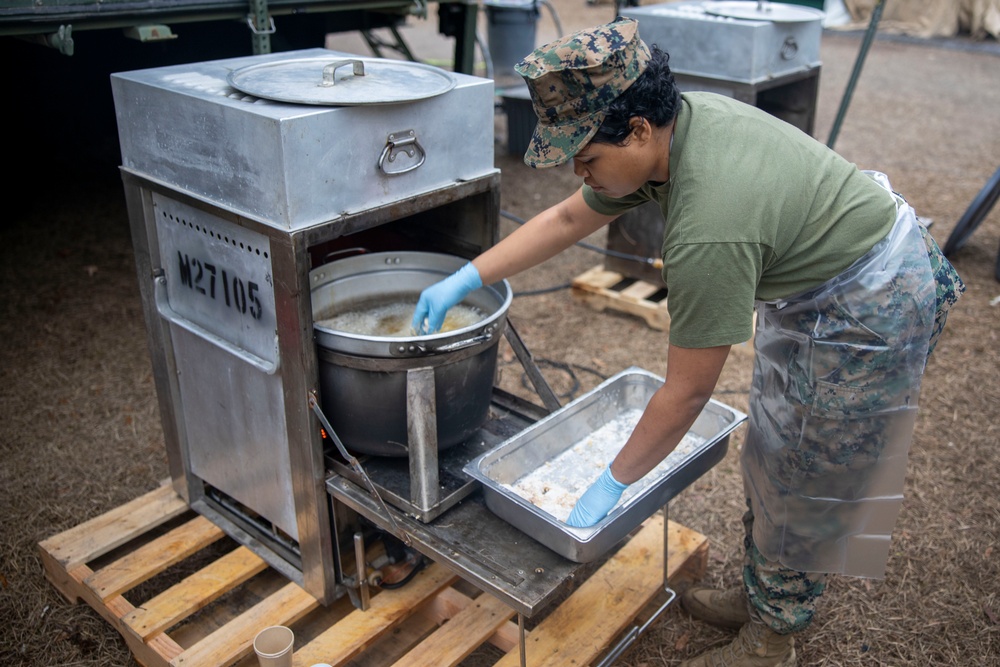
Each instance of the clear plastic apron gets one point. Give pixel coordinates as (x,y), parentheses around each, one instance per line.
(833,404)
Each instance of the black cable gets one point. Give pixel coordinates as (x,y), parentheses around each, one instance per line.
(566,368)
(543,290)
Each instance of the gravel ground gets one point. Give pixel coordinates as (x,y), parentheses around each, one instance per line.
(80,431)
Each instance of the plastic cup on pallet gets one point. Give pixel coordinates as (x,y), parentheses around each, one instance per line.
(273,646)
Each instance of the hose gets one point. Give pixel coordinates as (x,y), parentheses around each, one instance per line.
(485,50)
(566,368)
(555,16)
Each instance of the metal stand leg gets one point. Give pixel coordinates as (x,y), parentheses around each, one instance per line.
(858,64)
(542,388)
(638,631)
(421,413)
(520,639)
(362,574)
(398,44)
(666,544)
(973,216)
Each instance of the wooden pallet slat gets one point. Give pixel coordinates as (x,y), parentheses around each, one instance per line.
(156,651)
(604,605)
(461,635)
(359,629)
(450,601)
(107,532)
(235,640)
(194,592)
(151,559)
(428,622)
(597,288)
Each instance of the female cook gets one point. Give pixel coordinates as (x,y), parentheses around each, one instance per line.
(850,295)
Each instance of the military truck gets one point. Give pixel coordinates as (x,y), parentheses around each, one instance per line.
(58,54)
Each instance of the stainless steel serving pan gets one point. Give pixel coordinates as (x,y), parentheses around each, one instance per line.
(547,438)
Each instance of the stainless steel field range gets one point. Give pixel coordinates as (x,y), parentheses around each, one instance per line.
(234,198)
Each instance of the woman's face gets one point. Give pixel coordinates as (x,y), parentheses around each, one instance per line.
(616,171)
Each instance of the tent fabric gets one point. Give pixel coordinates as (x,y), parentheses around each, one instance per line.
(979,19)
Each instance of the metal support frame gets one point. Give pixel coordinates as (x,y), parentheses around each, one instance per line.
(261,27)
(430,488)
(458,20)
(527,361)
(638,631)
(398,44)
(976,212)
(856,72)
(421,412)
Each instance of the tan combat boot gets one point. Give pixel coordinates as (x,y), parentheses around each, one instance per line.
(723,609)
(756,646)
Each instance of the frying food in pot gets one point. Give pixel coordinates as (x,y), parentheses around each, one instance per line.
(392,319)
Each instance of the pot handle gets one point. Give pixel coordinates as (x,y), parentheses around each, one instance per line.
(172,316)
(460,344)
(414,349)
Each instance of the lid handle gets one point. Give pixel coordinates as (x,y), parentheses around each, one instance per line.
(329,71)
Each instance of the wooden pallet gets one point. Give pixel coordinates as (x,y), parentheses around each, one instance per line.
(601,289)
(208,614)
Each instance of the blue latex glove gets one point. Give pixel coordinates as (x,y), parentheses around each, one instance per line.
(597,501)
(438,298)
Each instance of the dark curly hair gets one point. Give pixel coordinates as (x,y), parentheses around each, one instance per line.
(654,96)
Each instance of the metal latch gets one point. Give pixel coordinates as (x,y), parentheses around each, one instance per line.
(150,33)
(356,466)
(789,48)
(61,40)
(401,142)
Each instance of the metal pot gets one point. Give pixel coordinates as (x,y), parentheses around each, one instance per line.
(363,378)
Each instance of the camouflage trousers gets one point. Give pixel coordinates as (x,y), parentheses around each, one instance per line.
(828,431)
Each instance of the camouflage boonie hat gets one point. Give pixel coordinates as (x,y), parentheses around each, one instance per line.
(573,80)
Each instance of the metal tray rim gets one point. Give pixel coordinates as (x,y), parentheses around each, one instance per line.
(585,536)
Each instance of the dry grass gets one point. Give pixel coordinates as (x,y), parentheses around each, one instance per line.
(80,427)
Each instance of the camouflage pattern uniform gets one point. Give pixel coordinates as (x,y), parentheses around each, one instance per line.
(573,80)
(841,433)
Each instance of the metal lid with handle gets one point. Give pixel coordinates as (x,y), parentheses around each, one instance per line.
(763,10)
(329,81)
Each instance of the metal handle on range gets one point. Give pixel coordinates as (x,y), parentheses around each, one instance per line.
(406,142)
(172,316)
(330,71)
(637,631)
(355,465)
(789,48)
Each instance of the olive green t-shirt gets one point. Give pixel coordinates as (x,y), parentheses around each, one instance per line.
(755,209)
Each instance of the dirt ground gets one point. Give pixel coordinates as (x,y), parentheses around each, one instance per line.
(80,431)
